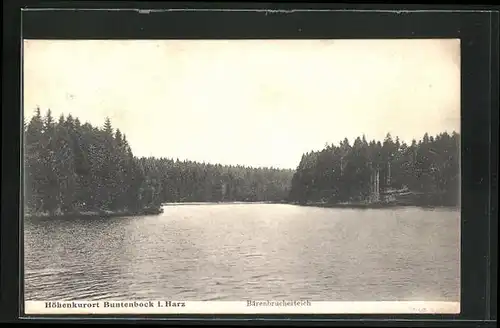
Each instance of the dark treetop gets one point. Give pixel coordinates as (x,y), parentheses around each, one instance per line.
(344,173)
(75,168)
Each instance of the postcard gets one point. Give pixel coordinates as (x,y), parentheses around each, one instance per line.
(241,176)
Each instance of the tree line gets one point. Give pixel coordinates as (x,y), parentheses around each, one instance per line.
(189,181)
(343,172)
(73,167)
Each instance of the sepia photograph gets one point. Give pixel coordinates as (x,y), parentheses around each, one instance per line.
(241,176)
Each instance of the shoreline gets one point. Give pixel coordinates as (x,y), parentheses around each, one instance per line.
(374,205)
(160,210)
(95,214)
(222,203)
(379,205)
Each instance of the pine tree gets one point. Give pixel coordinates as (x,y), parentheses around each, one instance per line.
(430,166)
(33,171)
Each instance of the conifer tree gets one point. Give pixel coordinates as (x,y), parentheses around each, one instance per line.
(429,166)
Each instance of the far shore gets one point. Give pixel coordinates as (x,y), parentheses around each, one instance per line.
(157,211)
(223,203)
(360,205)
(379,205)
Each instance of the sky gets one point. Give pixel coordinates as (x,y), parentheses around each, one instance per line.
(249,102)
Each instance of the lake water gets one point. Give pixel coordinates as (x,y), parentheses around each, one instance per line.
(247,251)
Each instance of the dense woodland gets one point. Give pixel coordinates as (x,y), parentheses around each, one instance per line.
(187,181)
(341,173)
(72,167)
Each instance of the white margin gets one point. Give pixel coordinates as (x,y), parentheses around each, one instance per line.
(238,307)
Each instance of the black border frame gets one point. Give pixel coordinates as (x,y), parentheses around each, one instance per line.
(478,31)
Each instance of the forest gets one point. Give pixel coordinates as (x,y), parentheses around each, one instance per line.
(70,167)
(342,173)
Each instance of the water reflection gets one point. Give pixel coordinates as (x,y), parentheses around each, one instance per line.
(238,252)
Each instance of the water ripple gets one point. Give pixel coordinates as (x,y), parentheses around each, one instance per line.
(240,252)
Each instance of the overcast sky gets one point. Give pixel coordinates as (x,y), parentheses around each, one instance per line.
(251,102)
